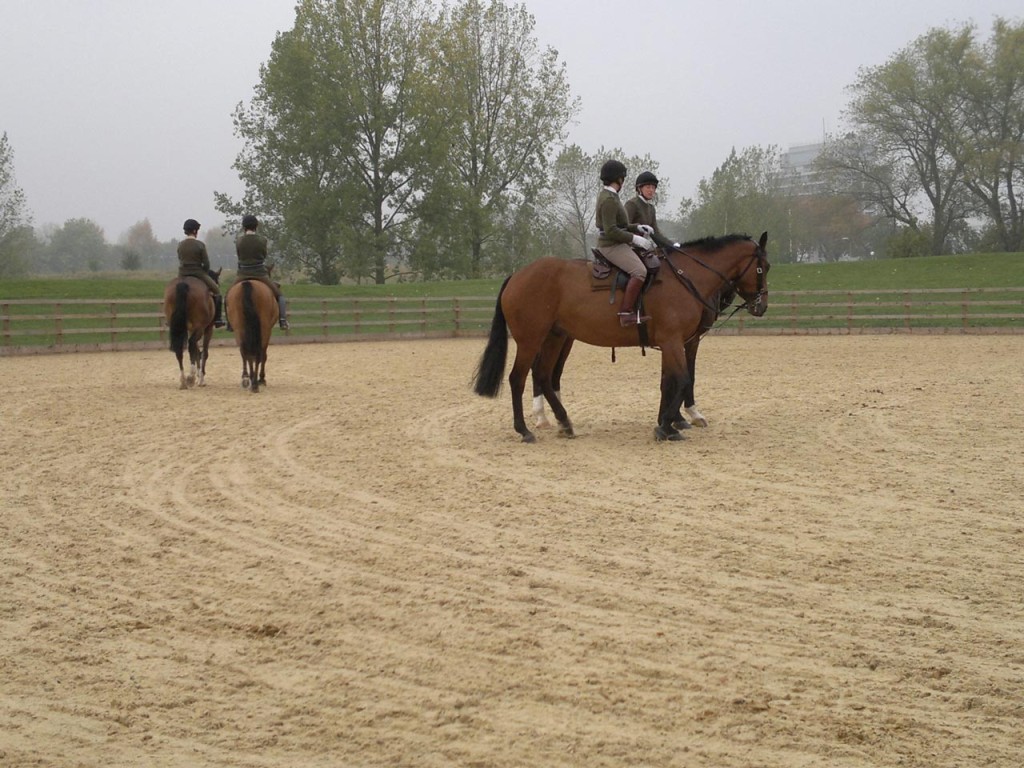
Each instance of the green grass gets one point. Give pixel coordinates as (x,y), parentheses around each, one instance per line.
(802,296)
(992,270)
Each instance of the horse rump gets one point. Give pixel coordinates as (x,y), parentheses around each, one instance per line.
(179,318)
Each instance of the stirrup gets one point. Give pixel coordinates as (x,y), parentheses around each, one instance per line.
(218,323)
(632,319)
(283,323)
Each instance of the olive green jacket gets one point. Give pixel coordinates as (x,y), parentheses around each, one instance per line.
(252,261)
(194,261)
(612,223)
(639,211)
(252,256)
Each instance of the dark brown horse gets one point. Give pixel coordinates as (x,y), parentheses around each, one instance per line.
(551,300)
(188,312)
(252,313)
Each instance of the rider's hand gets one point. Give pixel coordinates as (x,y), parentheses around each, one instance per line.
(645,229)
(643,243)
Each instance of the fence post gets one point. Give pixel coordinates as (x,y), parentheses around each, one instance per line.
(457,308)
(5,311)
(849,312)
(58,325)
(965,306)
(906,310)
(113,322)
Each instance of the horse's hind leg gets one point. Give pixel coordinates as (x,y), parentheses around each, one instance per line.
(547,370)
(193,359)
(525,354)
(180,354)
(540,417)
(205,355)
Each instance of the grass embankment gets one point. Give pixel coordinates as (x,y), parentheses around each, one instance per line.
(803,296)
(991,270)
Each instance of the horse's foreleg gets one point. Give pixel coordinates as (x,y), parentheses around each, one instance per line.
(675,377)
(691,363)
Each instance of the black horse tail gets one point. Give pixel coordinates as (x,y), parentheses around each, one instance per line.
(252,337)
(491,368)
(179,319)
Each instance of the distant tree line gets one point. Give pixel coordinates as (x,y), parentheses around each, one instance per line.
(394,138)
(931,160)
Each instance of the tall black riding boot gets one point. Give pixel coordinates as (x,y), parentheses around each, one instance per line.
(282,307)
(218,320)
(628,313)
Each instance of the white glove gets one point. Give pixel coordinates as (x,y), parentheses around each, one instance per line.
(675,245)
(645,229)
(643,243)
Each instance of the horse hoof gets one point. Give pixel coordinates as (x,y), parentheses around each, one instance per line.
(682,424)
(529,438)
(662,434)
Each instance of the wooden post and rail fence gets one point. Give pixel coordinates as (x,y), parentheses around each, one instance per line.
(35,326)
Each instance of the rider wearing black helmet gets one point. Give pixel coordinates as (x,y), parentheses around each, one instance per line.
(640,209)
(616,238)
(252,263)
(194,261)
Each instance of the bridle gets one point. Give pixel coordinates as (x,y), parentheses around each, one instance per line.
(758,260)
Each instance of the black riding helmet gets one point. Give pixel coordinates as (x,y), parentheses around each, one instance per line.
(646,178)
(250,222)
(191,226)
(613,170)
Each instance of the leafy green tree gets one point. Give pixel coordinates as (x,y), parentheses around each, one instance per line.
(76,245)
(15,245)
(990,141)
(335,136)
(131,260)
(575,184)
(501,105)
(743,195)
(140,241)
(907,112)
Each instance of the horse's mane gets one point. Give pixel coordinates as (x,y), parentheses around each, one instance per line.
(713,244)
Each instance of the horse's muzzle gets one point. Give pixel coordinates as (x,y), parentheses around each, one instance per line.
(759,305)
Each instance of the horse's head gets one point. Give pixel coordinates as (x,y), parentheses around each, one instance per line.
(215,274)
(752,281)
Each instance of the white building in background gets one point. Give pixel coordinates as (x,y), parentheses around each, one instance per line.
(799,176)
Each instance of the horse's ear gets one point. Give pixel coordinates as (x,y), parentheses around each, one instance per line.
(763,241)
(218,272)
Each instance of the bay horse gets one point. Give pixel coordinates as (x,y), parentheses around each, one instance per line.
(551,299)
(694,416)
(188,312)
(252,313)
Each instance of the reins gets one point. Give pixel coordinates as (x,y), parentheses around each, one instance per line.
(758,256)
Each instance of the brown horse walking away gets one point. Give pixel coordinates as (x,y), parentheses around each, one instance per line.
(550,302)
(188,312)
(252,312)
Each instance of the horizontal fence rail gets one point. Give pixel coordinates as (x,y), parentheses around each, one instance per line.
(33,326)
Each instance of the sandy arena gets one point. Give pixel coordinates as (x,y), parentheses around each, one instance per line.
(363,566)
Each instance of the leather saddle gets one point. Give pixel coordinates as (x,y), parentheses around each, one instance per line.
(605,276)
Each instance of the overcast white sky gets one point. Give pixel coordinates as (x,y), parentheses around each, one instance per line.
(120,110)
